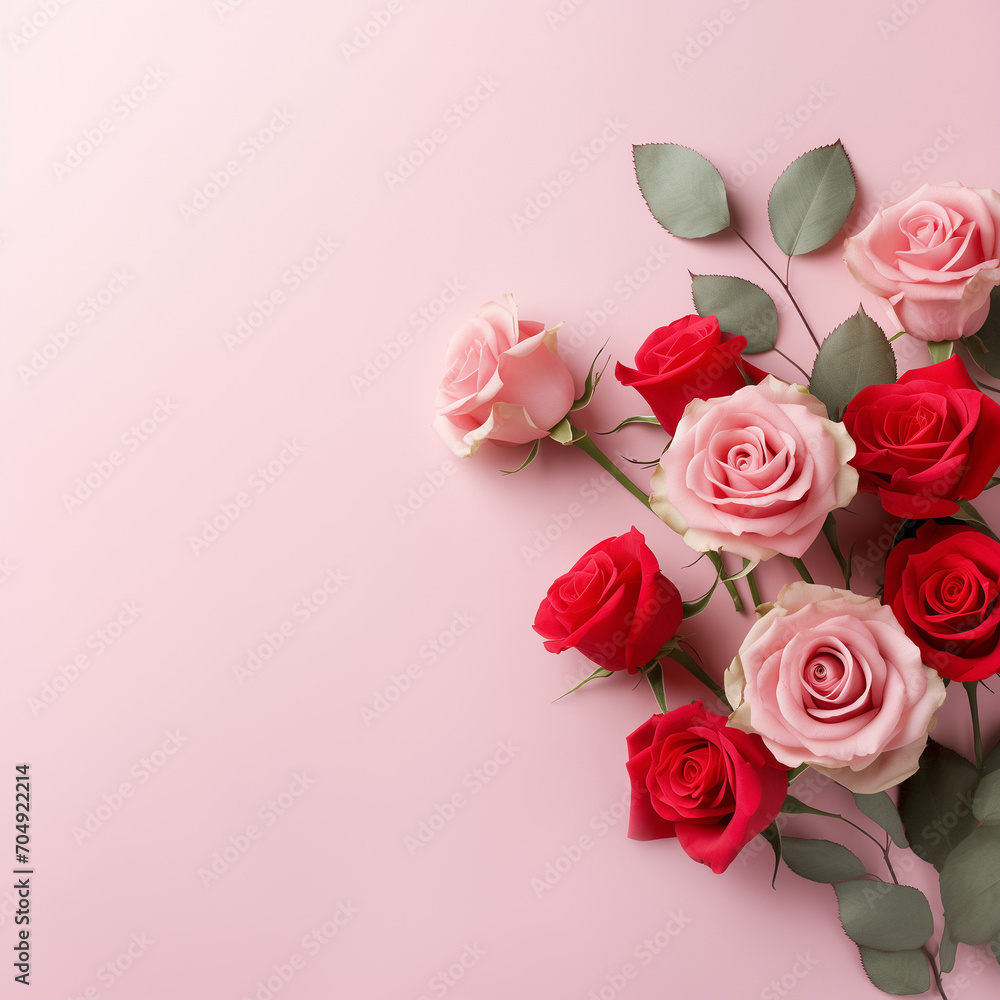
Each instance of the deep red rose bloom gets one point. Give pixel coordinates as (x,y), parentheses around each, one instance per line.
(614,605)
(694,778)
(925,441)
(683,361)
(943,587)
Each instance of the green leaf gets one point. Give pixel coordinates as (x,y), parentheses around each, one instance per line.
(526,462)
(967,512)
(821,860)
(830,530)
(936,803)
(599,672)
(884,916)
(899,973)
(992,761)
(654,675)
(794,805)
(970,887)
(995,947)
(685,192)
(946,953)
(631,420)
(941,350)
(995,481)
(880,809)
(692,608)
(590,384)
(741,307)
(565,433)
(986,352)
(811,200)
(773,836)
(853,357)
(987,803)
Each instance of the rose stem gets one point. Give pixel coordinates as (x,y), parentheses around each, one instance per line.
(784,284)
(754,592)
(971,689)
(792,363)
(586,444)
(801,567)
(934,969)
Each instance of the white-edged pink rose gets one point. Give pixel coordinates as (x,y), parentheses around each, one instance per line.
(830,679)
(754,473)
(933,258)
(504,382)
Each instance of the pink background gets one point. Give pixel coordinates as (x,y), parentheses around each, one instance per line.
(427,561)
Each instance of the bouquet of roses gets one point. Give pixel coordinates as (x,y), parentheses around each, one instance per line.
(754,468)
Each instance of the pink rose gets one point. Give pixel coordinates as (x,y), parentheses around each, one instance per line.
(504,382)
(754,473)
(829,678)
(933,258)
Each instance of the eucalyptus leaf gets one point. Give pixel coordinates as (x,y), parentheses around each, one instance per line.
(685,193)
(741,307)
(935,804)
(992,760)
(883,915)
(995,947)
(987,803)
(947,951)
(821,860)
(970,887)
(880,809)
(851,358)
(812,199)
(899,973)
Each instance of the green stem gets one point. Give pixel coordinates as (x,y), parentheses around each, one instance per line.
(754,591)
(716,560)
(695,670)
(586,444)
(972,690)
(934,969)
(784,284)
(801,567)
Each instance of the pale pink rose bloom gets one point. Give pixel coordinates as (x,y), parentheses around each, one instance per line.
(829,678)
(754,473)
(933,259)
(504,382)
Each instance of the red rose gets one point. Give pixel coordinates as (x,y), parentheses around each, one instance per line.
(684,361)
(943,586)
(614,605)
(694,778)
(925,441)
